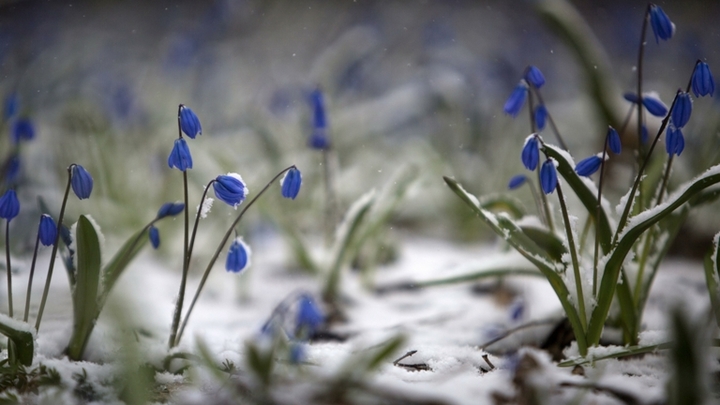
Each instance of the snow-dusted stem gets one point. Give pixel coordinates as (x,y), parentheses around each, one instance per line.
(48,278)
(197,219)
(8,269)
(573,257)
(30,278)
(219,249)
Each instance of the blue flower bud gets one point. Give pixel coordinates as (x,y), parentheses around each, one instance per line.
(230,189)
(290,183)
(631,97)
(238,257)
(154,235)
(81,182)
(23,130)
(541,114)
(530,155)
(9,205)
(702,80)
(588,166)
(654,105)
(548,177)
(661,24)
(517,181)
(535,77)
(318,139)
(189,122)
(682,110)
(613,140)
(47,230)
(170,210)
(180,157)
(674,140)
(309,317)
(514,103)
(12,105)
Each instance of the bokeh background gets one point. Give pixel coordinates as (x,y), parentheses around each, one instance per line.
(410,85)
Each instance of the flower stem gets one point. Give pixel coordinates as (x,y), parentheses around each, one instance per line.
(30,278)
(8,268)
(186,265)
(48,278)
(596,252)
(219,249)
(574,258)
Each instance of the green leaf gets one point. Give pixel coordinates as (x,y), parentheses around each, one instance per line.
(511,233)
(85,293)
(712,275)
(587,196)
(22,340)
(547,241)
(462,278)
(620,352)
(633,230)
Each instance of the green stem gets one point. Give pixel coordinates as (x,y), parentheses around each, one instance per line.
(8,268)
(574,258)
(186,265)
(30,278)
(219,249)
(48,279)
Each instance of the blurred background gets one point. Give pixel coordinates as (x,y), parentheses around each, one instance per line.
(416,86)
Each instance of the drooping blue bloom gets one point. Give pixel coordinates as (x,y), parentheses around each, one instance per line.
(588,166)
(309,317)
(674,140)
(319,136)
(23,130)
(631,97)
(290,183)
(47,230)
(13,168)
(517,181)
(534,76)
(170,210)
(613,139)
(154,235)
(661,24)
(515,102)
(189,122)
(702,80)
(654,105)
(238,257)
(9,205)
(548,177)
(12,105)
(81,182)
(682,110)
(530,155)
(541,114)
(180,157)
(230,189)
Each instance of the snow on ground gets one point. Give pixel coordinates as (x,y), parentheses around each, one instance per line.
(443,324)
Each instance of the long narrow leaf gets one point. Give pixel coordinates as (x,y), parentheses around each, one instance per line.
(22,338)
(634,229)
(712,277)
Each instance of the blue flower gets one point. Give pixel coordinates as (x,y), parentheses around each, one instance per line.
(530,155)
(309,317)
(180,157)
(661,24)
(535,77)
(516,100)
(588,166)
(154,235)
(189,122)
(238,257)
(631,97)
(548,176)
(674,141)
(170,210)
(230,189)
(517,181)
(81,182)
(47,230)
(682,110)
(23,130)
(290,183)
(9,205)
(541,114)
(654,105)
(318,139)
(702,80)
(12,105)
(613,140)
